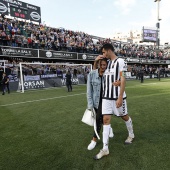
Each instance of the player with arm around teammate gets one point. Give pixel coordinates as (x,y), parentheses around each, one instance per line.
(114,98)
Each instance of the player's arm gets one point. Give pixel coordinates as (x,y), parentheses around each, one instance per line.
(96,61)
(116,83)
(122,83)
(122,72)
(122,89)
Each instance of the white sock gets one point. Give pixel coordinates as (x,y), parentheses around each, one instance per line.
(129,126)
(106,130)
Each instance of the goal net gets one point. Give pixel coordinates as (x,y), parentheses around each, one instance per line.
(50,75)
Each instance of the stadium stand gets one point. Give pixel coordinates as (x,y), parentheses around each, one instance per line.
(26,42)
(17,33)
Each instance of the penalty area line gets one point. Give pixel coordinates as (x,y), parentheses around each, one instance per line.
(31,101)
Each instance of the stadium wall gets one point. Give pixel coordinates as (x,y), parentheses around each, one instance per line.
(28,53)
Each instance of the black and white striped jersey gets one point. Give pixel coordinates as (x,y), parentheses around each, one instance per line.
(111,74)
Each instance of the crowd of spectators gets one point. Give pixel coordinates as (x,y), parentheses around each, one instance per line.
(17,33)
(38,68)
(28,35)
(12,67)
(141,51)
(148,69)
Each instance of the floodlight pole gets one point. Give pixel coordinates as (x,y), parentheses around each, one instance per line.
(158,23)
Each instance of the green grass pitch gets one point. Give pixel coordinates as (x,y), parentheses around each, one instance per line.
(42,130)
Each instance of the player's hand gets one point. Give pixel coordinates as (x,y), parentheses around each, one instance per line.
(119,102)
(99,57)
(116,83)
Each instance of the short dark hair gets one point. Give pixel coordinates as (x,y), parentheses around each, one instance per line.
(108,46)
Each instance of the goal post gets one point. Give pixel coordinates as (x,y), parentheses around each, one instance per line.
(2,64)
(49,75)
(21,82)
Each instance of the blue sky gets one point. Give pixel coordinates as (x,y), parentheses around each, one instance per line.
(105,17)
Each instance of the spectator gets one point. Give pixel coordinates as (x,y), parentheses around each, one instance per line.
(25,42)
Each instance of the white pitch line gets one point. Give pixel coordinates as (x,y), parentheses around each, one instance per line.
(43,89)
(148,84)
(140,85)
(31,101)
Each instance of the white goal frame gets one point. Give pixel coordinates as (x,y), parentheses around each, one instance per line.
(36,63)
